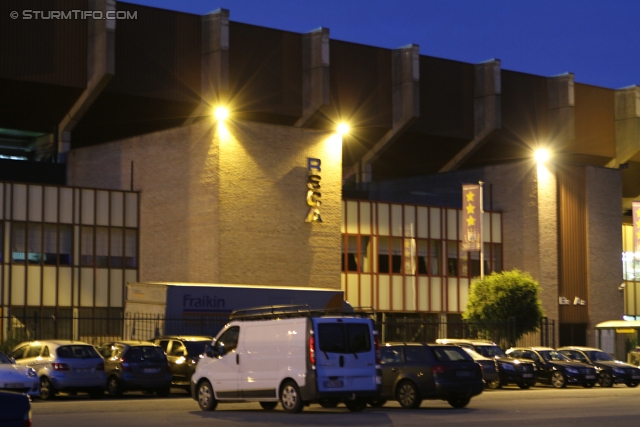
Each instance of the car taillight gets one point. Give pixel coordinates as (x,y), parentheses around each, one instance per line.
(125,365)
(312,350)
(27,420)
(100,367)
(60,367)
(440,369)
(376,346)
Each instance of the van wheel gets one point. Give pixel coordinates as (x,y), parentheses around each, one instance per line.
(47,392)
(268,406)
(357,405)
(377,403)
(206,399)
(290,397)
(407,395)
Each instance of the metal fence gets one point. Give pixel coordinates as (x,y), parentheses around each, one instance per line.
(15,329)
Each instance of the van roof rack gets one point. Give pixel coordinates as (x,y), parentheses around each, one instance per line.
(300,310)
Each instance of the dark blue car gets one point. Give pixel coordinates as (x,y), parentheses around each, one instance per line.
(15,409)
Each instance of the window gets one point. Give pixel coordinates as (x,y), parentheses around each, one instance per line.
(86,246)
(389,255)
(1,241)
(414,354)
(391,355)
(452,258)
(131,248)
(50,244)
(344,338)
(451,354)
(34,241)
(116,248)
(358,258)
(102,246)
(164,344)
(18,242)
(228,341)
(65,239)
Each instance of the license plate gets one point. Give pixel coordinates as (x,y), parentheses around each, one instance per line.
(527,375)
(463,374)
(590,377)
(333,384)
(13,385)
(83,370)
(150,370)
(635,377)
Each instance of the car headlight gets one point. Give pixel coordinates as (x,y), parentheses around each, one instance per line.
(507,367)
(618,370)
(31,373)
(571,370)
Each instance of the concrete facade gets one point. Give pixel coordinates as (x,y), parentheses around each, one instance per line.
(225,203)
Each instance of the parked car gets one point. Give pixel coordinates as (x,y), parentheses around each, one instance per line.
(490,370)
(292,355)
(412,372)
(135,365)
(14,377)
(15,409)
(609,370)
(63,366)
(183,354)
(511,370)
(555,368)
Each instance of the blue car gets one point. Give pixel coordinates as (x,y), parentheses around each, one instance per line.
(15,409)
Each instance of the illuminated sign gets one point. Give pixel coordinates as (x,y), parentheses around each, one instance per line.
(314,196)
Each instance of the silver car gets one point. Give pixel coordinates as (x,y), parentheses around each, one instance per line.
(63,366)
(13,377)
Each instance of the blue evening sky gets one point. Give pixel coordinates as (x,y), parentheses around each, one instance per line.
(597,40)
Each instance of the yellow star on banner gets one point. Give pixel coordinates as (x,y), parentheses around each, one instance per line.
(471,209)
(638,212)
(470,197)
(638,235)
(471,221)
(638,224)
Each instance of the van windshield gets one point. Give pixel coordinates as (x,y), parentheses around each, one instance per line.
(344,338)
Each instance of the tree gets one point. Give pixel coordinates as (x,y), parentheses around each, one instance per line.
(509,300)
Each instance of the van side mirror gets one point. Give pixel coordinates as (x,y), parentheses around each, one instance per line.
(208,351)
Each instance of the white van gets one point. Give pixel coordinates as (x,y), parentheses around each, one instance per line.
(292,355)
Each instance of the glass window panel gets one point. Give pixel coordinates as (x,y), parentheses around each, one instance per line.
(365,254)
(423,255)
(34,240)
(497,257)
(452,258)
(102,246)
(86,246)
(65,236)
(1,234)
(396,260)
(116,248)
(50,244)
(383,255)
(435,257)
(131,248)
(352,249)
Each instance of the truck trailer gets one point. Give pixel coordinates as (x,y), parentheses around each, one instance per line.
(168,308)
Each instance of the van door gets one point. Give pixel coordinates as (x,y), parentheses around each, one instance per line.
(345,355)
(226,367)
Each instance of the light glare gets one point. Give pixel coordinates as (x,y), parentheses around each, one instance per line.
(541,155)
(343,128)
(221,113)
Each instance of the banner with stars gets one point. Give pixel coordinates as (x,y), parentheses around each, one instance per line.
(635,208)
(471,217)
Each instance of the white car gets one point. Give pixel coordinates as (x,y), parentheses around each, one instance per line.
(18,378)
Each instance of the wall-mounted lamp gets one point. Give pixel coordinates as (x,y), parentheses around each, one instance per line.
(343,128)
(541,155)
(221,113)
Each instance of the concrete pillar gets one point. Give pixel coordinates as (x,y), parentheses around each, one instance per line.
(562,122)
(405,104)
(627,116)
(487,110)
(101,43)
(315,74)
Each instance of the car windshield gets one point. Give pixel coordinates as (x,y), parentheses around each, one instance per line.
(4,359)
(153,354)
(552,355)
(599,356)
(76,352)
(490,351)
(195,348)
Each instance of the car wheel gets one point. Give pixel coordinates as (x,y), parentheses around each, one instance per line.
(459,402)
(97,393)
(113,387)
(605,379)
(495,384)
(558,380)
(632,384)
(290,397)
(407,395)
(47,392)
(377,403)
(524,386)
(357,405)
(163,392)
(268,406)
(328,403)
(206,399)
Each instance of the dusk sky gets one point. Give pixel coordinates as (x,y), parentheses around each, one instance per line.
(597,40)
